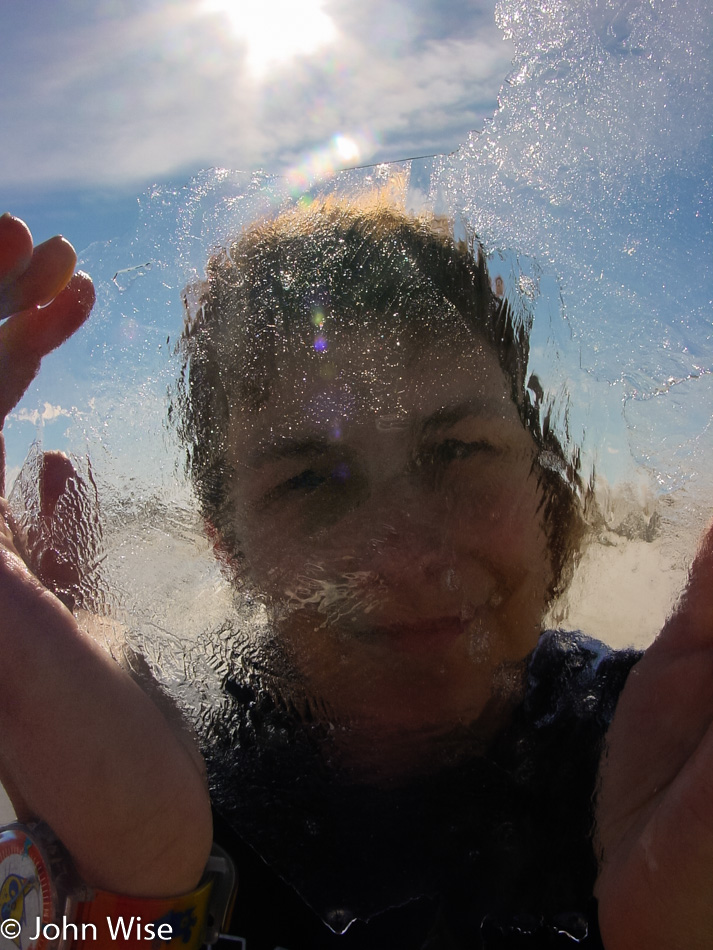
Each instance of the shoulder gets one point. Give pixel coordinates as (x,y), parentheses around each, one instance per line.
(553,744)
(572,675)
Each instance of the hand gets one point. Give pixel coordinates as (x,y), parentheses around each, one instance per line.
(31,278)
(82,746)
(655,806)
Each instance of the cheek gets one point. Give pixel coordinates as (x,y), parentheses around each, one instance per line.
(491,516)
(272,552)
(281,555)
(499,515)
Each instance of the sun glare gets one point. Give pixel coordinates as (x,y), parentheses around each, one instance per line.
(346,149)
(275,30)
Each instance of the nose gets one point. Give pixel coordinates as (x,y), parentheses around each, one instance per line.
(405,538)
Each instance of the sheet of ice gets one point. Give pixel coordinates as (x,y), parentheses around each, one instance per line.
(591,190)
(597,164)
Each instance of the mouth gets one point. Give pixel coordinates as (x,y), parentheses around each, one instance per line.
(422,636)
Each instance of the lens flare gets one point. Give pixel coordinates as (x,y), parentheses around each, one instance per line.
(341,151)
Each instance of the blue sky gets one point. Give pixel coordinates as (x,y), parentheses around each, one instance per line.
(605,130)
(101,98)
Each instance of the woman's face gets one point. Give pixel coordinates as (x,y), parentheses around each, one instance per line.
(389,513)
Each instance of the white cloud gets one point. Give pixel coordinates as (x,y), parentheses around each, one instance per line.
(105,100)
(48,414)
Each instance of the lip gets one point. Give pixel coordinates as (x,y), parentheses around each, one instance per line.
(435,633)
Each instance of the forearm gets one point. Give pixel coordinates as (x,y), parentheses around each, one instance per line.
(90,753)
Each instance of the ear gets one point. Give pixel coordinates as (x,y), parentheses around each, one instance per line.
(226,553)
(194,298)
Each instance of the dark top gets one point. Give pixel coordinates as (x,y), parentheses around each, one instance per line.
(492,853)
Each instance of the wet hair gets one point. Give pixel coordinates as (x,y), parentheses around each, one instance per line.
(350,266)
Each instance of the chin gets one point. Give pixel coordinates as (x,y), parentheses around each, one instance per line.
(414,736)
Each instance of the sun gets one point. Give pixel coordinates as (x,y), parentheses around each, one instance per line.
(275,30)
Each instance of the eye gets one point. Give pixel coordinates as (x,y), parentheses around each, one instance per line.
(299,485)
(454,450)
(306,481)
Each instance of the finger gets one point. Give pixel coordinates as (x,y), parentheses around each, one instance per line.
(8,534)
(15,248)
(691,624)
(48,272)
(59,542)
(56,473)
(26,337)
(38,331)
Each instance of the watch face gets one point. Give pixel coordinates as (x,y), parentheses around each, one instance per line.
(26,904)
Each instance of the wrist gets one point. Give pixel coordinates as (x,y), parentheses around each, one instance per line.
(44,904)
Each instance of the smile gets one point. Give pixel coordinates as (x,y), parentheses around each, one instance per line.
(421,636)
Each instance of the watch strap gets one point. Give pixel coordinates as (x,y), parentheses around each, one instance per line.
(134,922)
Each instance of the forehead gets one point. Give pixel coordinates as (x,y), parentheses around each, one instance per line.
(375,379)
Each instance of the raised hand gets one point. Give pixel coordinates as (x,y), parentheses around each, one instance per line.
(655,805)
(30,279)
(82,746)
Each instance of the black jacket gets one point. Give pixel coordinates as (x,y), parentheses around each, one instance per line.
(493,853)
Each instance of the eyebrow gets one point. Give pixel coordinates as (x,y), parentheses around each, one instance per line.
(288,448)
(285,447)
(450,415)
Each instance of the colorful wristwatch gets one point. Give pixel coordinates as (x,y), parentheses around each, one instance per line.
(45,906)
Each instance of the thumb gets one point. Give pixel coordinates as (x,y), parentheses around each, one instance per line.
(62,544)
(691,625)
